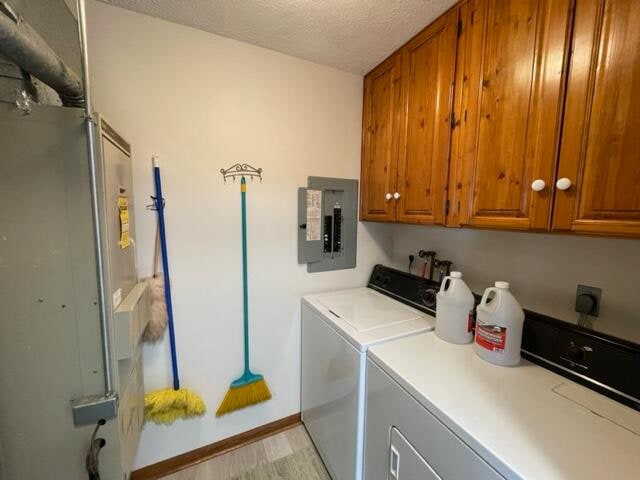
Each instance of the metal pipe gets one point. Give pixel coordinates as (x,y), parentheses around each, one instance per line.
(25,47)
(95,201)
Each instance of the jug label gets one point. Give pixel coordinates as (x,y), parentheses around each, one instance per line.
(491,337)
(471,323)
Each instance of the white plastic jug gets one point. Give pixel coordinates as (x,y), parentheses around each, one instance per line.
(499,326)
(454,310)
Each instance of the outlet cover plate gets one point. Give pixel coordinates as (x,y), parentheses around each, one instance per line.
(594,292)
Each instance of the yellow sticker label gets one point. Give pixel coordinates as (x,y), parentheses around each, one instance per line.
(123,209)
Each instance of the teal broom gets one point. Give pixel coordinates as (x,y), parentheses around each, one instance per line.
(250,388)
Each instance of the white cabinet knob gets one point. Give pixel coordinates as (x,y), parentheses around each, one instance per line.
(396,195)
(388,196)
(538,185)
(563,184)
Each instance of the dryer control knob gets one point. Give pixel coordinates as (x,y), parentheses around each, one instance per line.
(575,352)
(429,298)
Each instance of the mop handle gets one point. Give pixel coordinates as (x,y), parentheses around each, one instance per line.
(245,289)
(165,271)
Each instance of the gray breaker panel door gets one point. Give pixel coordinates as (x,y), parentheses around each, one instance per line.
(336,246)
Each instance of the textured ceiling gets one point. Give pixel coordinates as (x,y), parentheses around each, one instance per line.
(350,35)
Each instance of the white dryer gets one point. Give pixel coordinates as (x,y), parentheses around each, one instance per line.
(437,411)
(337,330)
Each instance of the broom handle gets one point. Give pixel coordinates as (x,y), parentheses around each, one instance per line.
(156,252)
(245,288)
(165,272)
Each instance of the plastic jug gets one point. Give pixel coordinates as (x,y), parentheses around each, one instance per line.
(454,310)
(499,326)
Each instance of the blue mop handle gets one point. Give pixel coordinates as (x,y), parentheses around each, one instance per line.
(165,271)
(245,289)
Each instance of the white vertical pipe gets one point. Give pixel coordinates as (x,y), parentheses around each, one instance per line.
(95,203)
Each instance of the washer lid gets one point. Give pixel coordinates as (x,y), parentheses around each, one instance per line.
(367,310)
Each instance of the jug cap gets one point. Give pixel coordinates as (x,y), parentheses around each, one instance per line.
(504,285)
(455,275)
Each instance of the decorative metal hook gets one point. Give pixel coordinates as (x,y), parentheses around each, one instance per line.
(154,206)
(241,170)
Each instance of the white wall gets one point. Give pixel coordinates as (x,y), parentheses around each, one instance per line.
(204,102)
(543,269)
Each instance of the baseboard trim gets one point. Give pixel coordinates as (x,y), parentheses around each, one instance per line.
(188,459)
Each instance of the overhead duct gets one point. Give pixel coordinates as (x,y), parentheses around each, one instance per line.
(20,43)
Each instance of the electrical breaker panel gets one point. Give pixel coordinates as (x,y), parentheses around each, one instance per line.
(327,224)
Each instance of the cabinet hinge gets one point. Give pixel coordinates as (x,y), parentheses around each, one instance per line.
(459,28)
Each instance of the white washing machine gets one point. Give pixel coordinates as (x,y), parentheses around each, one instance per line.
(337,330)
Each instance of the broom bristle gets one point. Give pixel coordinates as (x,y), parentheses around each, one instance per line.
(167,405)
(244,396)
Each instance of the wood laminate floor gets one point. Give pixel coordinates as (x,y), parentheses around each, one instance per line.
(247,458)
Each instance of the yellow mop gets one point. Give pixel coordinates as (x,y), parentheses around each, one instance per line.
(167,405)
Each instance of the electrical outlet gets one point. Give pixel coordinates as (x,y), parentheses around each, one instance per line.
(588,300)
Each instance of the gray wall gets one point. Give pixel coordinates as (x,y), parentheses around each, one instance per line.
(53,20)
(543,269)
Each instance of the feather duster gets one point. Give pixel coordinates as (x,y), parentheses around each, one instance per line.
(158,310)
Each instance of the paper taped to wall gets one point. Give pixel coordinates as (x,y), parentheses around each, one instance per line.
(314,215)
(123,207)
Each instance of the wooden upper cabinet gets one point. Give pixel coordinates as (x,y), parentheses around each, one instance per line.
(600,151)
(380,134)
(428,78)
(497,96)
(509,93)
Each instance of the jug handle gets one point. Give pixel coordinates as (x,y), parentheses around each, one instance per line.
(444,280)
(485,296)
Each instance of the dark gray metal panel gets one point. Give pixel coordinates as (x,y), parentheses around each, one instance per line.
(308,251)
(50,341)
(345,192)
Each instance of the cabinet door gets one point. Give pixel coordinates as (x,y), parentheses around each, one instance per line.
(510,90)
(600,150)
(428,76)
(380,132)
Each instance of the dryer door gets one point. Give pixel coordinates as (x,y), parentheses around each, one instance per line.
(405,463)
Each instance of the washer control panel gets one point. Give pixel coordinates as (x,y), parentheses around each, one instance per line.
(417,292)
